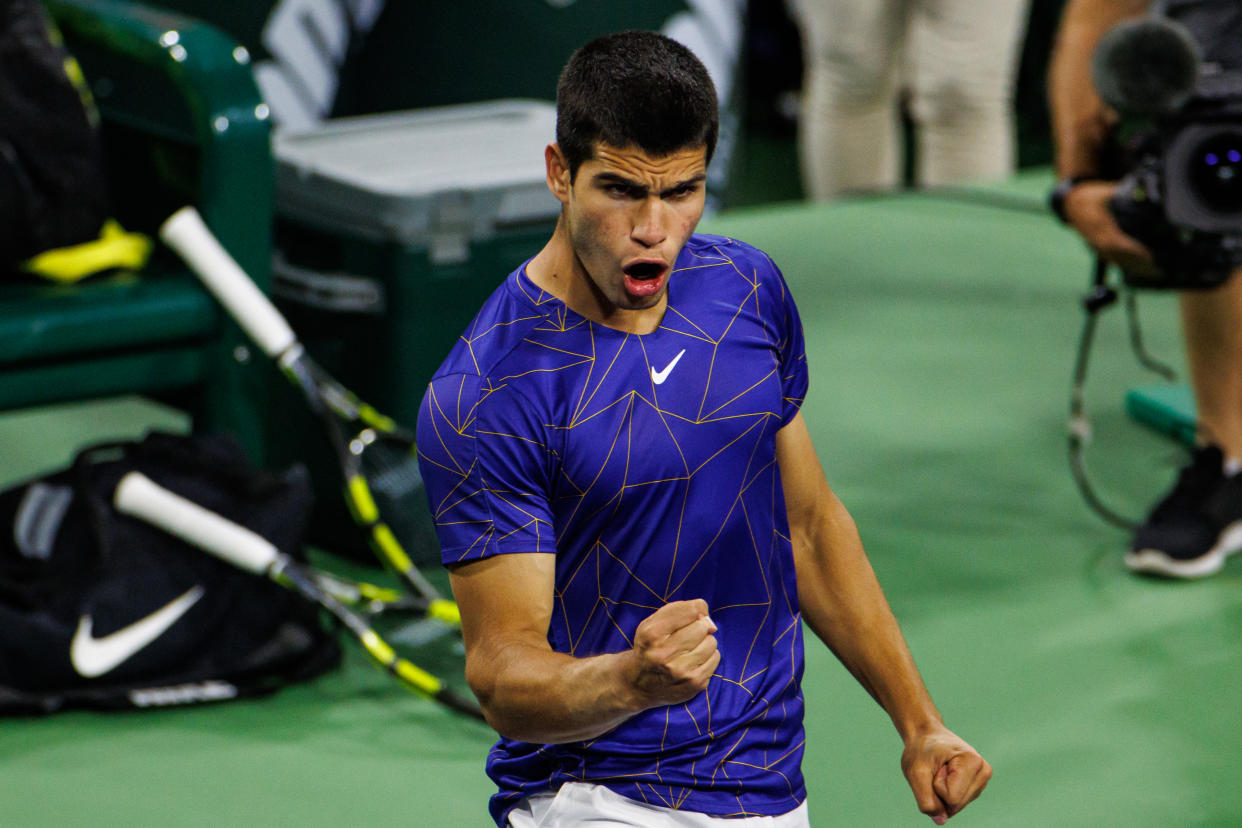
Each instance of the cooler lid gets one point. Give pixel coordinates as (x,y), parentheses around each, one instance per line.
(418,177)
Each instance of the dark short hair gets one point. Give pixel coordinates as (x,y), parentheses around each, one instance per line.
(638,89)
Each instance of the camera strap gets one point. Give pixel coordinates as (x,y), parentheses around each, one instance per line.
(1101,295)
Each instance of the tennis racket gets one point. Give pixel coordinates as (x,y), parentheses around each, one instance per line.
(383,487)
(138,496)
(375,599)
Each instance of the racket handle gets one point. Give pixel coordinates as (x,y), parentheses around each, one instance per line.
(139,496)
(187,234)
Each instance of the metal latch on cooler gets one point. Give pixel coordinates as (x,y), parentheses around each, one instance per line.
(336,292)
(452,221)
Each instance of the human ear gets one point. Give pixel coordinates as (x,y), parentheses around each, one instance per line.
(557,172)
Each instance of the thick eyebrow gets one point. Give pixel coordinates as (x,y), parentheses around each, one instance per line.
(689,183)
(610,178)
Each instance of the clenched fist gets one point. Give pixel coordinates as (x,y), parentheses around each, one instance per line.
(674,653)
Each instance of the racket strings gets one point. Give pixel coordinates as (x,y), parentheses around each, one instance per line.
(390,467)
(371,599)
(391,470)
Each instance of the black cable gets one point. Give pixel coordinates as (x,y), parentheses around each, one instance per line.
(1136,341)
(1101,296)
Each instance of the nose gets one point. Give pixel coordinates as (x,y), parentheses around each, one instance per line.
(650,226)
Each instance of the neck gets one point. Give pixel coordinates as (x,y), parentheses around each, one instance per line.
(557,270)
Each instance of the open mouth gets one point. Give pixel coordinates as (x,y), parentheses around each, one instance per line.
(644,270)
(644,278)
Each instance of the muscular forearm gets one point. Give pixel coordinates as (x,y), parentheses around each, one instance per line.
(532,694)
(844,606)
(842,603)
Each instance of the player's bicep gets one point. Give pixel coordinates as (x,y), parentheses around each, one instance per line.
(506,603)
(825,539)
(802,480)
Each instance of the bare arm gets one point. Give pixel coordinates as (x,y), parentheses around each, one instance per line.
(1080,120)
(531,693)
(844,606)
(840,597)
(1081,124)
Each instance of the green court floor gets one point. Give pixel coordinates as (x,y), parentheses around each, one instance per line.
(941,330)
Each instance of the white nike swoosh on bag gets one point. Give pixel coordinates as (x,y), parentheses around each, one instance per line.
(92,657)
(658,377)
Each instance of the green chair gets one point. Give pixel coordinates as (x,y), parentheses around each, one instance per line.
(181,123)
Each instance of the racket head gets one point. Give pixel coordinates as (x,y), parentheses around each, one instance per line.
(383,486)
(377,599)
(387,463)
(390,640)
(431,657)
(384,489)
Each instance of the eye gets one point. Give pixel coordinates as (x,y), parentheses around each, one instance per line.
(620,190)
(683,191)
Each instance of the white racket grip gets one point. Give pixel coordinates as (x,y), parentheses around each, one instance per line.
(187,234)
(139,496)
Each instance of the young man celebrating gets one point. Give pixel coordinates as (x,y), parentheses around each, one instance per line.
(626,495)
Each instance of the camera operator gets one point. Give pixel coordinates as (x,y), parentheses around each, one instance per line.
(1191,531)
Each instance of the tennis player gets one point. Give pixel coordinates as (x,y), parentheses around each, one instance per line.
(627,498)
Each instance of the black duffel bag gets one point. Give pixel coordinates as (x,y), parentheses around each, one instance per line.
(102,610)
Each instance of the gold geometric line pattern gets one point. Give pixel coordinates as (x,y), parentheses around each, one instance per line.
(648,438)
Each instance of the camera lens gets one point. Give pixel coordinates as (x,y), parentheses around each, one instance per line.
(1216,171)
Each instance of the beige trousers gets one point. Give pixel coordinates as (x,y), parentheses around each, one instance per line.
(956,61)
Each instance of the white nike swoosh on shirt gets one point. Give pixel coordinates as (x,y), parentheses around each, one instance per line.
(92,657)
(658,377)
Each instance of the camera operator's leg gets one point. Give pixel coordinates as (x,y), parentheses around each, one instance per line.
(963,56)
(849,133)
(1212,326)
(1199,523)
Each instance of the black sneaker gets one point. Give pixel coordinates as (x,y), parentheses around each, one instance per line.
(1196,526)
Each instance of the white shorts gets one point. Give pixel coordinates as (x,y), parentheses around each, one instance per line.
(583,805)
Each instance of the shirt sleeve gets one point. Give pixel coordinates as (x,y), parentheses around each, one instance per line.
(790,344)
(484,459)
